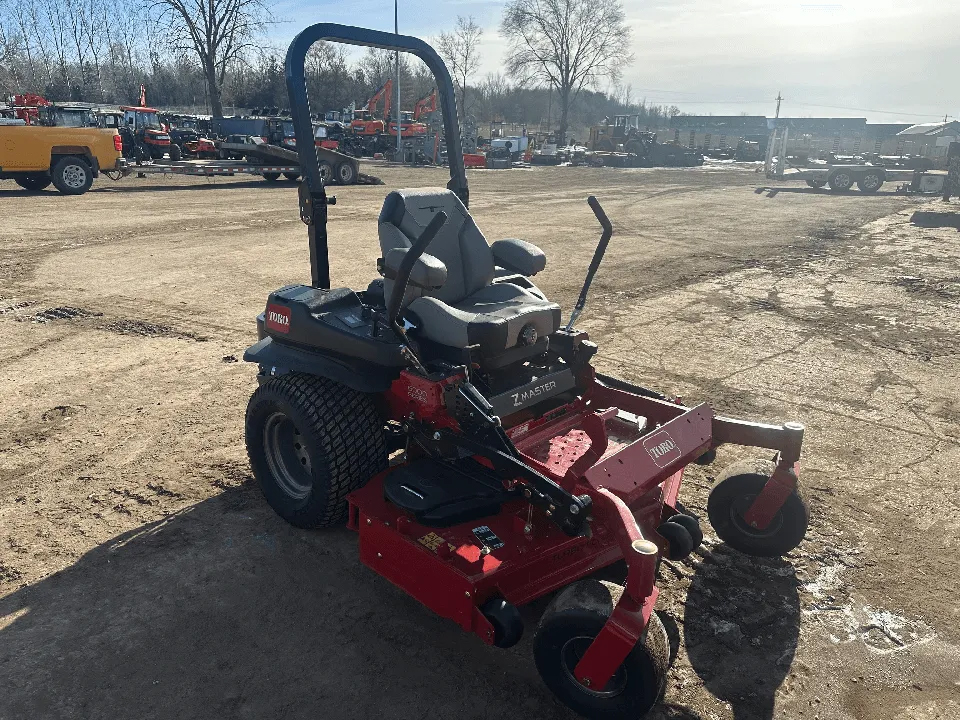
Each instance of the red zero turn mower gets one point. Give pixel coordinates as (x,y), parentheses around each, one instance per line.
(458,426)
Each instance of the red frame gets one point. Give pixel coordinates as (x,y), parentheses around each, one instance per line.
(633,481)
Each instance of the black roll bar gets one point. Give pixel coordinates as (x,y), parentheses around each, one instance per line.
(313,197)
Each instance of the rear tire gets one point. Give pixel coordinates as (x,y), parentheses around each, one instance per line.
(569,624)
(345,173)
(840,181)
(292,177)
(870,183)
(71,175)
(311,442)
(271,176)
(326,172)
(816,183)
(34,182)
(175,153)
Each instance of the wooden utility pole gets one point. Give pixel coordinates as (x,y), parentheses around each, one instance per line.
(778,105)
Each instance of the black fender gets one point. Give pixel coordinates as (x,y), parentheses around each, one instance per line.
(80,151)
(277,358)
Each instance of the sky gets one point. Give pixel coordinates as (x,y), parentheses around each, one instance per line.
(886,61)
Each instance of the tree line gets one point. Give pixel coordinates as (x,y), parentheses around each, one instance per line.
(210,57)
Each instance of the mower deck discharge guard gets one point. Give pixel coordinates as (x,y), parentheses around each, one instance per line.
(451,419)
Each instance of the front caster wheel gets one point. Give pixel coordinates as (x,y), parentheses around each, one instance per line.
(506,621)
(732,496)
(569,625)
(679,540)
(691,525)
(311,442)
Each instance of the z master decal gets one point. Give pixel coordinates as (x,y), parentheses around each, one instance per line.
(661,448)
(519,398)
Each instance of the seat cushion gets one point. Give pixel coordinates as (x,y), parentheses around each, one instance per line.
(492,317)
(459,244)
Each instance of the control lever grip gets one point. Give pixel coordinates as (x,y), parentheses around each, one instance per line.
(597,257)
(601,215)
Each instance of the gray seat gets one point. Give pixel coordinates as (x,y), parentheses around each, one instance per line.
(451,293)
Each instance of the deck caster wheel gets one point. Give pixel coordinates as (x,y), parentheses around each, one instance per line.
(311,442)
(679,540)
(506,621)
(691,525)
(732,496)
(569,625)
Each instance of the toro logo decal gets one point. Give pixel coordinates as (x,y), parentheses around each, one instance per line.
(278,318)
(418,394)
(661,448)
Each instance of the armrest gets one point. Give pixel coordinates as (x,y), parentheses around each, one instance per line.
(428,272)
(519,256)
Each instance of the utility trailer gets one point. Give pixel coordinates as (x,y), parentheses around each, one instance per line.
(260,158)
(335,167)
(838,177)
(209,168)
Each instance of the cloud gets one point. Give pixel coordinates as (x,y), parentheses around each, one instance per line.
(898,60)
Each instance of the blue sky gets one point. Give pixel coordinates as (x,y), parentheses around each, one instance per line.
(887,61)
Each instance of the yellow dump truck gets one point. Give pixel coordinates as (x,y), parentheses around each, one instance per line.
(69,157)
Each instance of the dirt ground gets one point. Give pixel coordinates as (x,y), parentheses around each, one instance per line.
(143,576)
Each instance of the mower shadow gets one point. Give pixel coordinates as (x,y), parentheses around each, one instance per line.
(933,219)
(223,610)
(741,625)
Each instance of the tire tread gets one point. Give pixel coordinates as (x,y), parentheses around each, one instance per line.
(350,431)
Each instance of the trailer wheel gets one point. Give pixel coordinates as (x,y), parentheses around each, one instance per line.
(346,173)
(816,183)
(311,442)
(870,182)
(71,175)
(326,172)
(34,182)
(568,627)
(292,177)
(271,177)
(733,495)
(840,181)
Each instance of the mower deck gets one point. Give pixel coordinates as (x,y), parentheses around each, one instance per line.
(517,553)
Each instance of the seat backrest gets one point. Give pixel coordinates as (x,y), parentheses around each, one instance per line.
(459,245)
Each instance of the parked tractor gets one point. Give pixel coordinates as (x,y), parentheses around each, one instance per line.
(150,139)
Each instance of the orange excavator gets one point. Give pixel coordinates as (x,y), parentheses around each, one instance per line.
(425,105)
(365,121)
(410,121)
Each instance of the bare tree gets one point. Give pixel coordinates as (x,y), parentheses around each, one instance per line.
(566,44)
(461,51)
(219,32)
